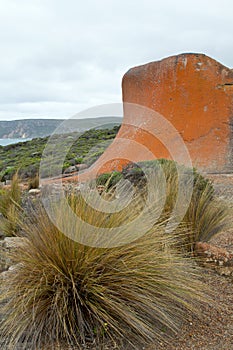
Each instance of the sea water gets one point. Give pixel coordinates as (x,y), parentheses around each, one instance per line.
(5,142)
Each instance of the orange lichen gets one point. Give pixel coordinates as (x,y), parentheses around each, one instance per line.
(195,94)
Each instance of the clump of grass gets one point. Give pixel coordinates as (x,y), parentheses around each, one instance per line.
(109,180)
(206,215)
(34,182)
(66,292)
(10,207)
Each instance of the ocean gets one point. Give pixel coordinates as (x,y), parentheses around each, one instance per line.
(5,142)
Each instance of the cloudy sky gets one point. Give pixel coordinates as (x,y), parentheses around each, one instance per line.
(59,57)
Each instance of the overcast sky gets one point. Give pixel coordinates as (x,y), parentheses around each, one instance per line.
(59,57)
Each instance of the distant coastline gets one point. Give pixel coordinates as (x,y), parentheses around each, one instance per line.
(5,142)
(35,128)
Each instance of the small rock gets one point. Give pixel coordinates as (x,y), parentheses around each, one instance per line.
(6,246)
(212,253)
(214,257)
(70,170)
(10,243)
(34,191)
(225,270)
(80,167)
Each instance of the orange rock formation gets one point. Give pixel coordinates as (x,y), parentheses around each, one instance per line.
(195,93)
(191,91)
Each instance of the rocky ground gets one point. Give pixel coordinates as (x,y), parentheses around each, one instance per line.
(214,330)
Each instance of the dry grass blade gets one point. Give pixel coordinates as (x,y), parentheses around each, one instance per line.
(206,216)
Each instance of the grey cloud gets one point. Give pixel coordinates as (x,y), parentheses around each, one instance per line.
(58,57)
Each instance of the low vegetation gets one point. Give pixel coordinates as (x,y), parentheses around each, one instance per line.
(133,289)
(74,294)
(206,215)
(25,157)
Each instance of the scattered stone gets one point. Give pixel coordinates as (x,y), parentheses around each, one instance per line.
(13,242)
(224,270)
(36,154)
(7,245)
(212,253)
(217,258)
(70,169)
(34,191)
(80,167)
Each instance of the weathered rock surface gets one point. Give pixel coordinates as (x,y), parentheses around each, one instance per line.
(191,91)
(195,93)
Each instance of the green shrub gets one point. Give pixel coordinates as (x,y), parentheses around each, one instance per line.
(27,155)
(109,179)
(73,294)
(91,158)
(78,160)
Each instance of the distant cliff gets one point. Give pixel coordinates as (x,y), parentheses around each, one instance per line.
(33,128)
(27,128)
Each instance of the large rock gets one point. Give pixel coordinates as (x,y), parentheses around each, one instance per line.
(194,93)
(190,92)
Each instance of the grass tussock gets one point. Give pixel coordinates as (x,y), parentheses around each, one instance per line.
(205,215)
(66,292)
(10,207)
(34,182)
